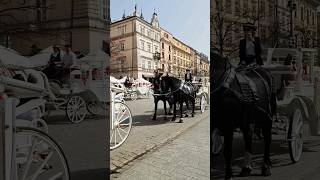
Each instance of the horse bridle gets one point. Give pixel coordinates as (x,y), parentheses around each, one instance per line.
(225,75)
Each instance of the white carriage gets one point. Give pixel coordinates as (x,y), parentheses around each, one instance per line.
(203,94)
(121,118)
(30,153)
(295,102)
(84,93)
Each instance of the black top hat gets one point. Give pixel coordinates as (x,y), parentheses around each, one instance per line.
(249,26)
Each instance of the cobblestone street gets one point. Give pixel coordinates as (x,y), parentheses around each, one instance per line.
(186,157)
(148,136)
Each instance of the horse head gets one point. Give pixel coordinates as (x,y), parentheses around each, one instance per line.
(220,65)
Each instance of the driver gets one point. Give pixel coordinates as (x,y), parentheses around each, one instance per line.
(250,47)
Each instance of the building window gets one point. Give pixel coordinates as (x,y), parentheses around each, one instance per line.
(149,47)
(121,46)
(143,65)
(169,48)
(302,13)
(142,44)
(162,54)
(155,48)
(149,64)
(228,6)
(149,33)
(169,57)
(162,45)
(122,30)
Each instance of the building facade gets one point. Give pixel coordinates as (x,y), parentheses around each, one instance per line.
(82,24)
(182,58)
(135,46)
(166,51)
(273,21)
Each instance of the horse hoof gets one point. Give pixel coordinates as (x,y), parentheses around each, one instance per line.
(173,119)
(186,115)
(154,119)
(245,172)
(266,171)
(192,115)
(181,120)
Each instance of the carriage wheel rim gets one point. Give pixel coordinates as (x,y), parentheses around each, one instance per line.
(76,109)
(43,140)
(122,125)
(202,104)
(296,134)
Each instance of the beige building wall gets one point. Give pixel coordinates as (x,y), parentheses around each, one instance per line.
(134,42)
(85,29)
(166,51)
(182,58)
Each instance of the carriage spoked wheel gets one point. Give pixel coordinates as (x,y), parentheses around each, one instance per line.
(134,96)
(121,127)
(38,156)
(76,109)
(203,103)
(295,130)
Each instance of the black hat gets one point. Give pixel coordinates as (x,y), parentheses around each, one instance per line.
(249,26)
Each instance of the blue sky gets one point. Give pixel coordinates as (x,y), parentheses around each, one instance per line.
(187,20)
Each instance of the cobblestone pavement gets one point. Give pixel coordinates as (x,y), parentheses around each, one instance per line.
(308,168)
(147,134)
(186,157)
(83,145)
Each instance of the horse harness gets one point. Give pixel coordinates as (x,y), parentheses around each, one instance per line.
(249,92)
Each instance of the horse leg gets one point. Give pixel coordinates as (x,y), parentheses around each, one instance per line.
(247,136)
(181,114)
(228,138)
(170,107)
(193,106)
(187,104)
(266,167)
(155,108)
(165,108)
(174,110)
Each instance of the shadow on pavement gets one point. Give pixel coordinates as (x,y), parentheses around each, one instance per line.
(217,171)
(94,174)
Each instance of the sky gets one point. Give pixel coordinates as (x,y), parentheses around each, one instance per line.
(187,20)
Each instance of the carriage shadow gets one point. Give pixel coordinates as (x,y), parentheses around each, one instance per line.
(61,119)
(89,174)
(277,149)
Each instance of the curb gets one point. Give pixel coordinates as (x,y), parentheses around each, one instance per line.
(115,168)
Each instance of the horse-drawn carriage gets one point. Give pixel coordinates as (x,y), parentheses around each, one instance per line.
(250,97)
(295,95)
(83,92)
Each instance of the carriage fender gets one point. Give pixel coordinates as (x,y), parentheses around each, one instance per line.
(88,96)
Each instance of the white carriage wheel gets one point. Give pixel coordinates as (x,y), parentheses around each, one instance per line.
(203,102)
(133,96)
(295,135)
(122,124)
(40,157)
(94,108)
(76,109)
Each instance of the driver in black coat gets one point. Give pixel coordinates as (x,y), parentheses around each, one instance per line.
(250,47)
(188,76)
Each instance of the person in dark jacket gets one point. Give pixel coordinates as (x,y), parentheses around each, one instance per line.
(188,76)
(55,58)
(250,47)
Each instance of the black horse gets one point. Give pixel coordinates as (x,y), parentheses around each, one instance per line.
(161,94)
(233,109)
(181,92)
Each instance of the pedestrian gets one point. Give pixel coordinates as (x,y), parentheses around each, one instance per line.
(68,60)
(54,60)
(78,54)
(250,47)
(188,76)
